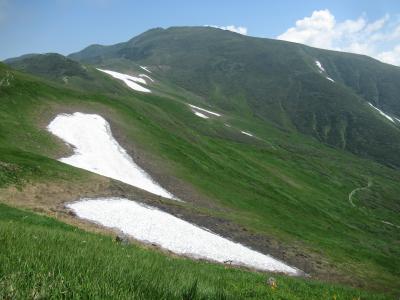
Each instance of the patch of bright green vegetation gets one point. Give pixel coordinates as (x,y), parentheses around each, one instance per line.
(43,258)
(19,168)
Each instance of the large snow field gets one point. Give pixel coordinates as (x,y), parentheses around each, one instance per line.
(382,113)
(96,150)
(129,80)
(152,225)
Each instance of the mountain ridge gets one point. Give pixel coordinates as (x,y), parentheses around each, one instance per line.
(277,81)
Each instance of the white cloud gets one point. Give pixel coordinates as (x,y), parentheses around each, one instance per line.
(237,29)
(379,39)
(391,57)
(308,30)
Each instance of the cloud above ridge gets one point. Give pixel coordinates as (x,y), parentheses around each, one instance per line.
(379,39)
(233,28)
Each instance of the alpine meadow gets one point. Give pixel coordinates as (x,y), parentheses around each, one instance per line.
(199,163)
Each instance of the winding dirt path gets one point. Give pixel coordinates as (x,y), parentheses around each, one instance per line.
(364,188)
(358,189)
(390,224)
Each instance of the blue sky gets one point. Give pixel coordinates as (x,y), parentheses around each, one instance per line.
(66,26)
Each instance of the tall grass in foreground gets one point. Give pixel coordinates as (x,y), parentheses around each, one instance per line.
(42,258)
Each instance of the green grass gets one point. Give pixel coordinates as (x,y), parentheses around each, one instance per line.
(41,258)
(296,192)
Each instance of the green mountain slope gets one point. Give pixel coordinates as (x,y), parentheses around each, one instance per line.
(51,65)
(275,81)
(281,192)
(376,82)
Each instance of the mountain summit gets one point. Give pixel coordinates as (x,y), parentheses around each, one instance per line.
(338,98)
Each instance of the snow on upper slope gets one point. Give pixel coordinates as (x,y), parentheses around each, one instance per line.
(382,113)
(319,65)
(145,68)
(246,133)
(327,77)
(204,110)
(128,80)
(149,224)
(96,150)
(322,70)
(199,114)
(146,76)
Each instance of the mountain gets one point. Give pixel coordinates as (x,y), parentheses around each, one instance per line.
(50,65)
(275,81)
(62,70)
(261,147)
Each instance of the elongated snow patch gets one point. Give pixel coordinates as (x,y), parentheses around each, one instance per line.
(382,113)
(322,70)
(128,80)
(200,115)
(320,67)
(145,68)
(146,76)
(96,150)
(205,110)
(246,133)
(151,225)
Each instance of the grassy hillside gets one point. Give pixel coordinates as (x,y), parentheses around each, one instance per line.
(60,261)
(275,81)
(282,188)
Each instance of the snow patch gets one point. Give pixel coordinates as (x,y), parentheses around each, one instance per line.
(320,67)
(96,150)
(149,224)
(145,68)
(322,70)
(199,114)
(382,113)
(205,110)
(146,76)
(330,79)
(246,133)
(128,80)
